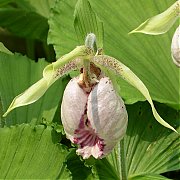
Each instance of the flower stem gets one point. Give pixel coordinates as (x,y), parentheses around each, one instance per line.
(90,42)
(123,160)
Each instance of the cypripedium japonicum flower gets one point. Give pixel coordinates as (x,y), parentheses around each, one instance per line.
(93,113)
(95,119)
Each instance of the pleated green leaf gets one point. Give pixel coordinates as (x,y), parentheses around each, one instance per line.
(149,57)
(17,74)
(149,177)
(160,23)
(149,147)
(30,153)
(62,13)
(86,21)
(41,7)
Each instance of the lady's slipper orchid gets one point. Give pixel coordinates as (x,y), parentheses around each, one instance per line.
(93,115)
(94,120)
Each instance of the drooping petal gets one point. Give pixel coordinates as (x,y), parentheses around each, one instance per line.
(107,63)
(51,73)
(29,96)
(160,23)
(175,47)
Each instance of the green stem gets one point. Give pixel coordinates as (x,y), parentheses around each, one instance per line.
(123,160)
(90,42)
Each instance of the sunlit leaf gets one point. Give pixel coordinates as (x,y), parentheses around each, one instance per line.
(148,56)
(160,23)
(86,21)
(30,153)
(57,30)
(41,7)
(148,177)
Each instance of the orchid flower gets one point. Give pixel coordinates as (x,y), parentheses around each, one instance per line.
(93,113)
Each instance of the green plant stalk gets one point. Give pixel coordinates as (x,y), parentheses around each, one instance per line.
(123,174)
(86,72)
(90,42)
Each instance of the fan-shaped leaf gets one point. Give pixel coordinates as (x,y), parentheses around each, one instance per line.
(31,153)
(42,7)
(77,168)
(149,147)
(86,21)
(148,177)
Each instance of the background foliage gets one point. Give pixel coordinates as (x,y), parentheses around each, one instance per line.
(32,137)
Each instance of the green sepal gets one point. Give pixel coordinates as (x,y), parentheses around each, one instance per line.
(51,73)
(160,23)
